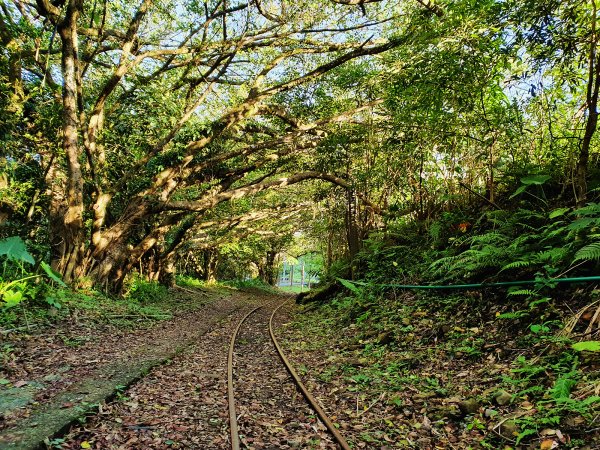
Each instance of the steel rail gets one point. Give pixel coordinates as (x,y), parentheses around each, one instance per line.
(233,426)
(307,395)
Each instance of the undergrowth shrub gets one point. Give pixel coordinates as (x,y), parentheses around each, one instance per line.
(185,280)
(145,291)
(22,279)
(255,283)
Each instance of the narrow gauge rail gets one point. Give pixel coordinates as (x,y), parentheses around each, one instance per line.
(233,425)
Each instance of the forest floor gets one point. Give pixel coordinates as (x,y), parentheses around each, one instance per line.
(51,375)
(427,372)
(429,377)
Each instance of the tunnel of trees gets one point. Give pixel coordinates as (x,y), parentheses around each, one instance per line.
(155,153)
(156,136)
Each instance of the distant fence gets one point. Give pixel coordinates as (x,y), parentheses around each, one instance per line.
(296,275)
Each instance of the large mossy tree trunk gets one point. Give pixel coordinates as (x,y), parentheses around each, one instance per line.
(210,263)
(69,231)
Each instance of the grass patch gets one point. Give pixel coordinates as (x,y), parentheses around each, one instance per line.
(255,283)
(293,289)
(143,304)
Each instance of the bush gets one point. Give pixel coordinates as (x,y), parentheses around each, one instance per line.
(145,291)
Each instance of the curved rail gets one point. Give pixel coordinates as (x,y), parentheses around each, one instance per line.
(233,426)
(307,395)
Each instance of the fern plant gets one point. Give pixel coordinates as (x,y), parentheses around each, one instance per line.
(524,243)
(590,252)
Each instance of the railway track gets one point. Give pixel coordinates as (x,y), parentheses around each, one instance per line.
(312,402)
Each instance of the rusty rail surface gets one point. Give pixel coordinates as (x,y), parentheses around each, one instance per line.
(307,395)
(233,426)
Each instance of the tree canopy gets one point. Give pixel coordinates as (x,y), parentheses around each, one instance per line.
(137,133)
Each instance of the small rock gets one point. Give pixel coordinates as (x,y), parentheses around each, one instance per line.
(385,338)
(421,396)
(489,413)
(509,429)
(469,406)
(52,377)
(354,362)
(445,412)
(503,398)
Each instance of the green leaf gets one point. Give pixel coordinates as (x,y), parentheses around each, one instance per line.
(539,301)
(558,212)
(349,285)
(587,346)
(535,179)
(537,329)
(12,298)
(582,223)
(55,276)
(528,292)
(53,302)
(563,386)
(14,249)
(515,265)
(591,400)
(525,433)
(520,190)
(512,315)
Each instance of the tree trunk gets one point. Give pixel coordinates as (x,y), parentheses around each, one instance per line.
(69,232)
(352,233)
(210,264)
(167,270)
(593,88)
(109,259)
(266,270)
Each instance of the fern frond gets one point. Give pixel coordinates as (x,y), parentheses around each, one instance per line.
(591,209)
(443,263)
(493,237)
(552,256)
(583,223)
(552,234)
(588,253)
(527,292)
(527,226)
(522,239)
(516,265)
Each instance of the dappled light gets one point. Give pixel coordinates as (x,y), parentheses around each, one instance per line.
(310,224)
